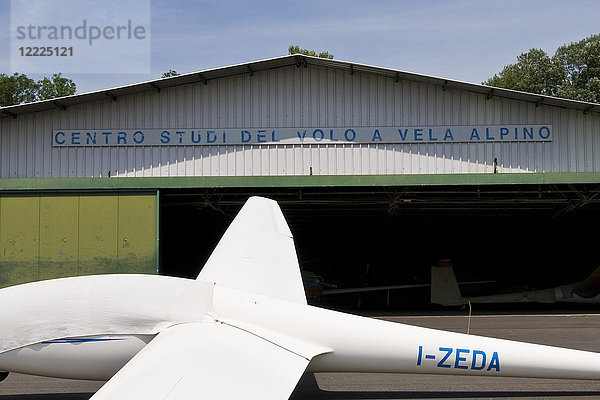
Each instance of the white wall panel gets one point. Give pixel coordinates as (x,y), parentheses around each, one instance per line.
(313,96)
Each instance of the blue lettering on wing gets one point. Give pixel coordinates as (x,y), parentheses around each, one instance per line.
(459,358)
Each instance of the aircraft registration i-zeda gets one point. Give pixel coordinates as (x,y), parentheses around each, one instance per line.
(231,334)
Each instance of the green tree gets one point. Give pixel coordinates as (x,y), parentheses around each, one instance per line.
(572,73)
(19,88)
(581,62)
(297,50)
(169,73)
(534,72)
(57,86)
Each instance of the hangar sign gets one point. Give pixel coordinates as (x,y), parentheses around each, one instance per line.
(301,135)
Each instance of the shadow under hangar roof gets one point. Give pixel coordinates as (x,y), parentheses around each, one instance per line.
(300,61)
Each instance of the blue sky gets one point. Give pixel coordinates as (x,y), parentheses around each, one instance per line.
(467,40)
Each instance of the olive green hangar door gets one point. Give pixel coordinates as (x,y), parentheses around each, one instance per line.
(46,236)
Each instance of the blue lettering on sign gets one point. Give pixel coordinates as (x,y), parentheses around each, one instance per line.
(331,138)
(459,358)
(546,133)
(318,135)
(418,134)
(301,136)
(138,137)
(196,137)
(90,138)
(106,136)
(350,135)
(75,137)
(376,136)
(448,135)
(431,137)
(165,137)
(62,138)
(211,137)
(246,136)
(403,134)
(436,134)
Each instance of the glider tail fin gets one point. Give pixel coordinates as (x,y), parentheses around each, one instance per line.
(444,287)
(257,254)
(590,286)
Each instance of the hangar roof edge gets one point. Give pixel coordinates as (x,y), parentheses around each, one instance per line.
(285,61)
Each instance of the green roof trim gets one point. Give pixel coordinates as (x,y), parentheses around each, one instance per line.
(61,184)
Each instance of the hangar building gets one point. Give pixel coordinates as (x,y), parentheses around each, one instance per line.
(380,172)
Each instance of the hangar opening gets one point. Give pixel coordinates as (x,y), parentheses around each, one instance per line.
(532,236)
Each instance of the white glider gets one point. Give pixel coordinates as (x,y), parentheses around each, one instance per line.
(230,334)
(446,292)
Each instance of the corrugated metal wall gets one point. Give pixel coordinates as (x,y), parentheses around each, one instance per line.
(291,96)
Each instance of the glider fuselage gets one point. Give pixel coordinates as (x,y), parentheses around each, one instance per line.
(333,341)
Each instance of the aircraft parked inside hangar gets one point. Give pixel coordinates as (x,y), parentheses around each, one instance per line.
(446,292)
(316,286)
(231,334)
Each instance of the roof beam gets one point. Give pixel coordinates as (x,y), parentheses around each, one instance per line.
(539,102)
(59,105)
(111,95)
(155,86)
(301,61)
(12,115)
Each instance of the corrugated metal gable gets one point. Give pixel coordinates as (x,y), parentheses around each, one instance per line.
(297,96)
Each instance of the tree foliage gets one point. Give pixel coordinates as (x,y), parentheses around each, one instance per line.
(169,73)
(573,72)
(297,50)
(19,88)
(534,72)
(580,62)
(57,86)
